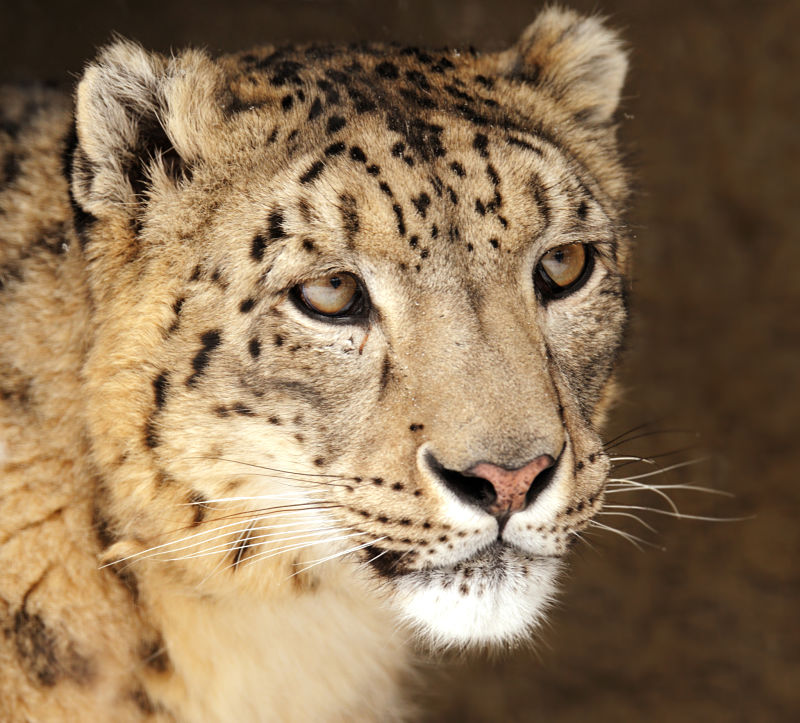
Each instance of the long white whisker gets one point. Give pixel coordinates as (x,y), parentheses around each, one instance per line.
(239,523)
(631,486)
(273,469)
(633,539)
(287,496)
(314,563)
(668,469)
(623,483)
(627,514)
(231,545)
(680,515)
(271,553)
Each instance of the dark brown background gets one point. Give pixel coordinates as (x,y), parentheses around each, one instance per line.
(708,629)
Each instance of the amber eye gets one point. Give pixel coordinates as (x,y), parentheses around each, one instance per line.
(337,295)
(563,270)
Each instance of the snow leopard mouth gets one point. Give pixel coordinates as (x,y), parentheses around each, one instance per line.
(490,563)
(497,595)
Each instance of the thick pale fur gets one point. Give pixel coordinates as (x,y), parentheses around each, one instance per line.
(216,507)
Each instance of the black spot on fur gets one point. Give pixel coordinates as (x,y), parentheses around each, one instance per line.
(36,647)
(254,347)
(458,169)
(494,242)
(479,207)
(583,208)
(481,144)
(416,427)
(286,72)
(387,70)
(151,439)
(199,506)
(287,102)
(511,140)
(308,244)
(336,123)
(154,655)
(541,204)
(334,149)
(315,110)
(348,207)
(257,247)
(276,230)
(413,242)
(142,701)
(358,155)
(373,170)
(421,203)
(210,340)
(247,305)
(385,562)
(160,387)
(401,224)
(385,189)
(313,172)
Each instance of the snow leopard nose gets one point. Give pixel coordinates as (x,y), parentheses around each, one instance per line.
(497,490)
(515,489)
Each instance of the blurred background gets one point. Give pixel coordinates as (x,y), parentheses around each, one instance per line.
(704,622)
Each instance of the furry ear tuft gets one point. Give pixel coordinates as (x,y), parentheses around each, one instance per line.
(578,59)
(127,124)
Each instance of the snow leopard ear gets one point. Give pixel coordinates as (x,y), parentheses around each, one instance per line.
(575,58)
(141,120)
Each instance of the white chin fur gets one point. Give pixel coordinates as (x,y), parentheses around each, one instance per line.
(497,597)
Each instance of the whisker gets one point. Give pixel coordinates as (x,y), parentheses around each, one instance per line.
(627,514)
(269,553)
(623,485)
(633,539)
(278,510)
(640,486)
(626,433)
(274,469)
(287,496)
(664,470)
(239,523)
(231,546)
(630,459)
(314,563)
(681,515)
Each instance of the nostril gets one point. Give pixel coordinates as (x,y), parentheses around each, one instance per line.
(540,482)
(468,488)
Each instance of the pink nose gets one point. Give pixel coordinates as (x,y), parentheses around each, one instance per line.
(511,485)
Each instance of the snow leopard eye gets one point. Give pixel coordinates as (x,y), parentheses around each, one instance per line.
(336,296)
(563,270)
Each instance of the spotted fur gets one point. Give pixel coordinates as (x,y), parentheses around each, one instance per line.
(216,506)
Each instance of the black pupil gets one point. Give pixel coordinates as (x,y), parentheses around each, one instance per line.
(336,282)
